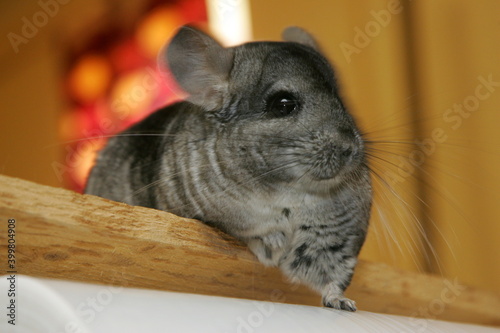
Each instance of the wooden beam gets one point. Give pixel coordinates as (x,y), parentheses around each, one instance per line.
(65,235)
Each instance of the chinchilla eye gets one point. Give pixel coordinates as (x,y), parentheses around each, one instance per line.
(282,104)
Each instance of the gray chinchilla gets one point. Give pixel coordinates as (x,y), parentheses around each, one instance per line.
(263,149)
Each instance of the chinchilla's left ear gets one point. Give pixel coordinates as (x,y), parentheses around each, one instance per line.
(200,65)
(299,35)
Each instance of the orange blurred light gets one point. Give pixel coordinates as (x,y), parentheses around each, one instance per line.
(156,29)
(85,154)
(90,78)
(133,93)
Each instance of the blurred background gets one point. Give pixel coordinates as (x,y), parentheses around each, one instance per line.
(422,78)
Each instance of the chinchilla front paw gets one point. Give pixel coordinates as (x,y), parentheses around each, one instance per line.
(340,303)
(333,297)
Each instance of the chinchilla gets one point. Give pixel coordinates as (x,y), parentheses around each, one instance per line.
(263,148)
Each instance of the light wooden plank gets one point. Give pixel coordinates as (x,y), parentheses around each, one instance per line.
(66,235)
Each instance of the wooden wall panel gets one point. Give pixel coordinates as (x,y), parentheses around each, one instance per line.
(458,49)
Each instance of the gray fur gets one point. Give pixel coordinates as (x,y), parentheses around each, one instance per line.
(295,188)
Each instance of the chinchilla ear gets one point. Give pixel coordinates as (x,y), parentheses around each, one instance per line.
(299,35)
(200,65)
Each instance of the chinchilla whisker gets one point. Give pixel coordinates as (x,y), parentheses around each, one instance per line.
(425,181)
(278,144)
(384,232)
(388,236)
(417,224)
(374,158)
(235,158)
(430,179)
(145,187)
(308,131)
(391,148)
(279,135)
(393,123)
(394,149)
(287,139)
(289,164)
(383,131)
(299,178)
(443,193)
(107,136)
(408,209)
(403,221)
(436,165)
(392,145)
(254,179)
(370,143)
(379,154)
(387,232)
(171,176)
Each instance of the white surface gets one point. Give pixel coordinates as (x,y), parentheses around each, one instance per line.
(38,308)
(55,306)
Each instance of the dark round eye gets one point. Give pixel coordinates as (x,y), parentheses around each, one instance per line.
(282,104)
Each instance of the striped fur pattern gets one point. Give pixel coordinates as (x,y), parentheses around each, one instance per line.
(263,149)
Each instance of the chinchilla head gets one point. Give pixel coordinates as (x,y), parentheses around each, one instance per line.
(275,107)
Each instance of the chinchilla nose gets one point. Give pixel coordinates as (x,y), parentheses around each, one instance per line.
(334,150)
(346,145)
(344,151)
